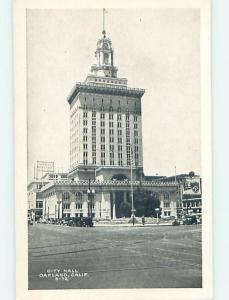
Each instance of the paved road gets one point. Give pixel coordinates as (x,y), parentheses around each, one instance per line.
(114,257)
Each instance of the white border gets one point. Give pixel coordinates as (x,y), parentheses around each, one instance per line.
(21,155)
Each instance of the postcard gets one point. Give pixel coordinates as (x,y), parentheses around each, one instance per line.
(113,149)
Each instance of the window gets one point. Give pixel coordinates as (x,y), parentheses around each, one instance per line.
(111,116)
(85,146)
(119,125)
(78,196)
(135,125)
(120,140)
(85,138)
(65,196)
(119,117)
(102,131)
(94,160)
(78,205)
(39,204)
(119,147)
(103,147)
(166,196)
(135,118)
(93,147)
(111,124)
(85,130)
(119,132)
(111,140)
(136,156)
(102,139)
(166,204)
(66,206)
(102,123)
(85,114)
(93,114)
(111,147)
(111,131)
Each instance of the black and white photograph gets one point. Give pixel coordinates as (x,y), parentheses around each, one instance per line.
(116,176)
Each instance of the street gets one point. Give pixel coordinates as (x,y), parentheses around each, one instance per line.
(62,257)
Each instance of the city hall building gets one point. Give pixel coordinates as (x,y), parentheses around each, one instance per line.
(106,177)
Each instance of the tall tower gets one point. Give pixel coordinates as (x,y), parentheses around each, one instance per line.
(105,122)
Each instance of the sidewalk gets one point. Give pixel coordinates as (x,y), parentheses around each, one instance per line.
(130,224)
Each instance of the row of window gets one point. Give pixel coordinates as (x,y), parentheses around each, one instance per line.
(111,116)
(111,131)
(67,206)
(111,109)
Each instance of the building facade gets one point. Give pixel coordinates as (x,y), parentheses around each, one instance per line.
(106,178)
(105,122)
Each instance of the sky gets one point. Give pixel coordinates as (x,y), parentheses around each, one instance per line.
(155,49)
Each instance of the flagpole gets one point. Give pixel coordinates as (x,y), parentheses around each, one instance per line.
(103,19)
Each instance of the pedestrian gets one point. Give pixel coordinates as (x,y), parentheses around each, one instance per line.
(143,220)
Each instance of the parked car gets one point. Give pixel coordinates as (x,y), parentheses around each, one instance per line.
(175,222)
(86,222)
(189,220)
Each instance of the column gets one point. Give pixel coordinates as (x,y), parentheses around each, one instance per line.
(72,205)
(161,198)
(43,209)
(114,208)
(59,205)
(124,197)
(85,205)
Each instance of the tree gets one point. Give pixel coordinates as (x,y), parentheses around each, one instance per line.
(191,174)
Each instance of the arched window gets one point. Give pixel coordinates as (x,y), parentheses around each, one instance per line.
(166,196)
(66,200)
(66,197)
(78,199)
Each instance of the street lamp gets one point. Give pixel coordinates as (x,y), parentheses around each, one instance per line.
(90,194)
(58,202)
(157,211)
(131,186)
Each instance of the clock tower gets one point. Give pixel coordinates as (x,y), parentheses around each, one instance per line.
(104,58)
